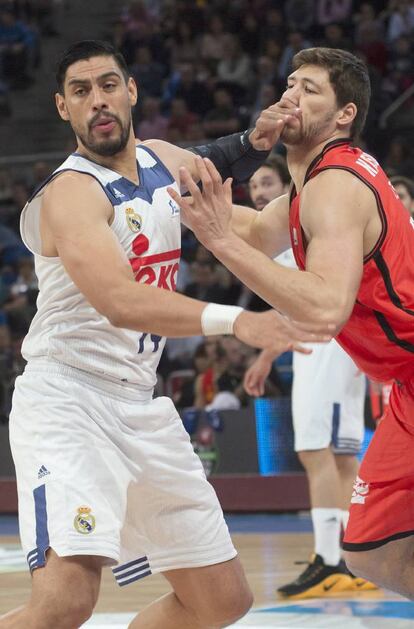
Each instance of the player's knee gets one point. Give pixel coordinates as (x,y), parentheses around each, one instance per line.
(66,610)
(227,607)
(360,565)
(310,458)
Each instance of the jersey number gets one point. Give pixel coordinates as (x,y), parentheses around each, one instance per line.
(154,339)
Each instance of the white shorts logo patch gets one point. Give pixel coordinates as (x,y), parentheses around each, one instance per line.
(360,492)
(84,521)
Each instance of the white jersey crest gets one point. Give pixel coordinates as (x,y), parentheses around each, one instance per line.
(66,327)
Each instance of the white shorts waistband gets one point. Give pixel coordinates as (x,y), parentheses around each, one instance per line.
(119,389)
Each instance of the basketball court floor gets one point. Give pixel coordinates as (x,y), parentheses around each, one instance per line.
(268,545)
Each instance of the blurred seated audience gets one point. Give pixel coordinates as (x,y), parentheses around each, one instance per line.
(404,187)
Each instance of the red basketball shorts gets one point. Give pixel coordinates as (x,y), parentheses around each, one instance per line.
(382,503)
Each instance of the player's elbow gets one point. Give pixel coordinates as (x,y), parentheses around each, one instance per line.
(334,314)
(118,312)
(113,307)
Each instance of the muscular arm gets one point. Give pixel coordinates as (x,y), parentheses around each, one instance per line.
(334,225)
(76,213)
(267,230)
(237,155)
(75,218)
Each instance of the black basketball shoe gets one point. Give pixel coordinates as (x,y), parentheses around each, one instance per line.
(318,580)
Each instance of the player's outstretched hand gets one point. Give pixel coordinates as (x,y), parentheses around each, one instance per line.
(270,330)
(208,211)
(256,375)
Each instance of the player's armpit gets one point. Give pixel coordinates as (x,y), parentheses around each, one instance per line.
(334,224)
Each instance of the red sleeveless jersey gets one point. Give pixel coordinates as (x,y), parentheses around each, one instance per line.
(379,334)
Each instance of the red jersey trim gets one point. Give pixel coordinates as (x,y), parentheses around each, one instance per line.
(390,334)
(326,149)
(386,276)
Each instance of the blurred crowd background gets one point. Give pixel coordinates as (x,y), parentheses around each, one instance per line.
(204,69)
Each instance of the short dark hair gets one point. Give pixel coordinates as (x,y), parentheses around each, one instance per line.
(348,76)
(278,164)
(85,50)
(399,180)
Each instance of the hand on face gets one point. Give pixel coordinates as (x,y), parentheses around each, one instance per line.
(207,212)
(272,121)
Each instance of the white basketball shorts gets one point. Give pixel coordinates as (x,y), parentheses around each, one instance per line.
(328,396)
(103,470)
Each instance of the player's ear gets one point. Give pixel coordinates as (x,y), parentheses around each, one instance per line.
(132,91)
(347,114)
(61,106)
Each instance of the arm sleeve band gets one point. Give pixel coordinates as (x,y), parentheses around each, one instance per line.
(233,155)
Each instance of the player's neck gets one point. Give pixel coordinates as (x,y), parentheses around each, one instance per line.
(124,162)
(300,157)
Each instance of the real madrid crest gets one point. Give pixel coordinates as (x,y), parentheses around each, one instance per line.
(134,220)
(84,521)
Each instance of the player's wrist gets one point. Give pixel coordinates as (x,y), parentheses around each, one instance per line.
(219,319)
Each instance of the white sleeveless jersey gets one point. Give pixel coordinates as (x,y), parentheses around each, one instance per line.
(66,328)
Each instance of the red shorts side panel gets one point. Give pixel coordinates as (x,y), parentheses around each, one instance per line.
(382,503)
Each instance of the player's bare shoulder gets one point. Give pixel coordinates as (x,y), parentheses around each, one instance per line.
(71,200)
(73,192)
(172,156)
(337,189)
(339,201)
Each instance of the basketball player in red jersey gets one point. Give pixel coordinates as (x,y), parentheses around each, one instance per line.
(353,241)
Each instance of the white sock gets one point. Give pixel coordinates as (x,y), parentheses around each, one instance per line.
(327,528)
(344,518)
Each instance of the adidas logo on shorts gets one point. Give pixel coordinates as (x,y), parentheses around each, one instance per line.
(43,471)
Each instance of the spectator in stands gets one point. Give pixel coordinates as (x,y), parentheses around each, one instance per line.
(213,41)
(11,248)
(399,159)
(20,192)
(183,45)
(147,73)
(369,37)
(40,172)
(16,45)
(184,84)
(230,394)
(200,363)
(152,124)
(137,19)
(300,14)
(401,63)
(266,95)
(223,118)
(182,122)
(334,37)
(367,23)
(274,26)
(401,19)
(329,11)
(404,187)
(249,34)
(235,67)
(296,42)
(206,382)
(20,305)
(205,285)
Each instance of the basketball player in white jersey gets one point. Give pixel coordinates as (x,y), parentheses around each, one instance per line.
(106,474)
(328,396)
